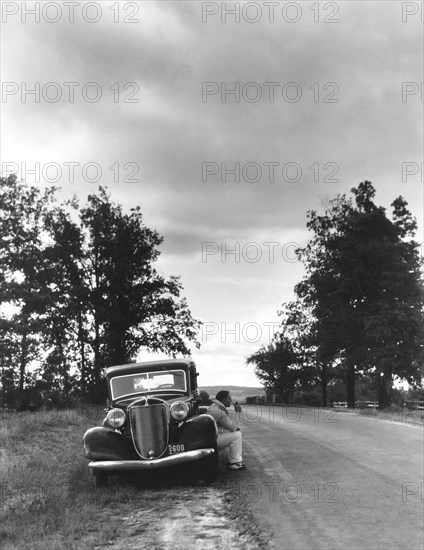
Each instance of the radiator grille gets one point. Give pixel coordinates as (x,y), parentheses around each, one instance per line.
(149,429)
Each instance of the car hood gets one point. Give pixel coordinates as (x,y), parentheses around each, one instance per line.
(130,400)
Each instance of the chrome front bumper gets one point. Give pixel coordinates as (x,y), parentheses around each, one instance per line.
(122,465)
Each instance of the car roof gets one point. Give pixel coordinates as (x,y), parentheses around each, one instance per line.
(148,366)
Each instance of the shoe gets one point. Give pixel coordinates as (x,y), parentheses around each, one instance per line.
(236,466)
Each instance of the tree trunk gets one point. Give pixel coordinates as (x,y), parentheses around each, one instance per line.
(22,364)
(384,385)
(3,383)
(82,353)
(350,382)
(324,384)
(97,362)
(96,381)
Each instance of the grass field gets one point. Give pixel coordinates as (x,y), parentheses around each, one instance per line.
(47,496)
(394,414)
(48,500)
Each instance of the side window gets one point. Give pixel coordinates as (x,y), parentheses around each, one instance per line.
(193,379)
(180,380)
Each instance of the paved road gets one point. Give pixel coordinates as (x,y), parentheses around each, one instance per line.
(333,480)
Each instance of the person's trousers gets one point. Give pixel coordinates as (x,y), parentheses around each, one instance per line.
(233,442)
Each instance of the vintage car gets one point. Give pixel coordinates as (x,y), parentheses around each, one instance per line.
(153,422)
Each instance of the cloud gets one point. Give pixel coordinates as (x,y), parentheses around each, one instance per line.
(188,146)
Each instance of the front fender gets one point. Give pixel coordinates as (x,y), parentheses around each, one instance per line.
(106,444)
(198,432)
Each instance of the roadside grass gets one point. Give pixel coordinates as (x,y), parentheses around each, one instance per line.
(391,414)
(394,414)
(47,498)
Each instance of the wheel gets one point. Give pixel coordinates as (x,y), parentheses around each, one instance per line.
(100,478)
(209,467)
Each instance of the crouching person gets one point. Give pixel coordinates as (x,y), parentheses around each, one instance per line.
(229,434)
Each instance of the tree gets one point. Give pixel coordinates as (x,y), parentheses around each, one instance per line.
(22,290)
(313,342)
(78,292)
(364,287)
(66,322)
(278,367)
(9,346)
(132,306)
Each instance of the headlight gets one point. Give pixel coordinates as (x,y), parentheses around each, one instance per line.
(115,418)
(179,410)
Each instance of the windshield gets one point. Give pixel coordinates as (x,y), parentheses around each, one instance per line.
(169,380)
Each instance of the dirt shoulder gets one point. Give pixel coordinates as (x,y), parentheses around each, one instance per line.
(48,500)
(315,479)
(180,516)
(195,518)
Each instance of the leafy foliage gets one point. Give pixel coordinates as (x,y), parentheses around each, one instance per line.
(79,292)
(359,307)
(278,367)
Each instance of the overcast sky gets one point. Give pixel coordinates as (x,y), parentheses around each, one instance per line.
(226,128)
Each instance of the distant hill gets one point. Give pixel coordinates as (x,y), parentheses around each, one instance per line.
(238,393)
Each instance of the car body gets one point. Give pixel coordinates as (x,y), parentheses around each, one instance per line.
(152,422)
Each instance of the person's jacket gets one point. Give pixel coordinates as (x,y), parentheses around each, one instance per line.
(218,411)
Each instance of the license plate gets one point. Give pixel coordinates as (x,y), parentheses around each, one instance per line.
(175,448)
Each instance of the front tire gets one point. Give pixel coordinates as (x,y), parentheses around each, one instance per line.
(100,478)
(209,467)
